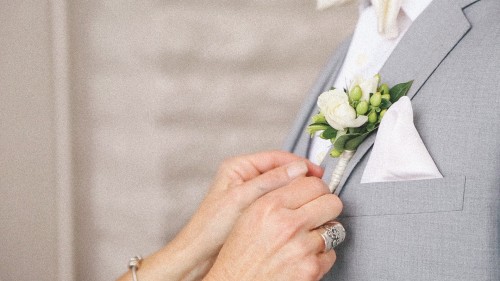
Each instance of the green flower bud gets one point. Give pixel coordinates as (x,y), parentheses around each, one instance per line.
(312,129)
(362,108)
(381,115)
(335,153)
(372,117)
(386,97)
(384,89)
(376,99)
(356,93)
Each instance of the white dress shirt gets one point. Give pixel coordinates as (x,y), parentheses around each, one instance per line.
(367,54)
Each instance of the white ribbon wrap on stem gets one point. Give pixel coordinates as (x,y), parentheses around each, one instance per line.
(339,170)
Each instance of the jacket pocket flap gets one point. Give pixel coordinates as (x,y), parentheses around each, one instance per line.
(406,197)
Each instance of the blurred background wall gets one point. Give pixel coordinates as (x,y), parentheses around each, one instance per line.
(159,93)
(28,211)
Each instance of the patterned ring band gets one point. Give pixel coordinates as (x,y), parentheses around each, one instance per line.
(333,234)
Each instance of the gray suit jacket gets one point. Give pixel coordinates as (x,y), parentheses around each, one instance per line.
(438,229)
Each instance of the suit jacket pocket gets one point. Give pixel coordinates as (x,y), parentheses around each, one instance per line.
(405,197)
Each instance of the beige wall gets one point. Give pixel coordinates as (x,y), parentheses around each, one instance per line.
(161,92)
(28,211)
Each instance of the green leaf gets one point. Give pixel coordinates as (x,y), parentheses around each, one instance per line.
(340,142)
(371,127)
(329,134)
(353,143)
(355,130)
(385,104)
(399,90)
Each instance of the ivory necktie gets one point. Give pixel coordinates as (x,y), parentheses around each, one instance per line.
(387,14)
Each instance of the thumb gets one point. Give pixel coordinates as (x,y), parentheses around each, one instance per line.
(250,191)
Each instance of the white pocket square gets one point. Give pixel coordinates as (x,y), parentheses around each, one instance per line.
(399,154)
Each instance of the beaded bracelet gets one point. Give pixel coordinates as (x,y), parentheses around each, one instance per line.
(134,265)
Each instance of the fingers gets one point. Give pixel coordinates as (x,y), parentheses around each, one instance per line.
(314,265)
(266,161)
(326,261)
(269,181)
(321,210)
(300,192)
(250,166)
(315,241)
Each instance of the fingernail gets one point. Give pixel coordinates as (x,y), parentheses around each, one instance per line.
(296,169)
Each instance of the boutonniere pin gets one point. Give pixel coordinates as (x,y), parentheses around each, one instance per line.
(347,117)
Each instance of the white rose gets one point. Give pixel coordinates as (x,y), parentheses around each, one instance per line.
(367,86)
(339,114)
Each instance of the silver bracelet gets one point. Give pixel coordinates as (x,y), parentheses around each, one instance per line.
(134,265)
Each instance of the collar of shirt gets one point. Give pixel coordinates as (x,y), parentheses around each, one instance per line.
(412,8)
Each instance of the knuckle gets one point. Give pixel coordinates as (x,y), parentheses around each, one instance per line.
(317,184)
(336,203)
(227,163)
(330,204)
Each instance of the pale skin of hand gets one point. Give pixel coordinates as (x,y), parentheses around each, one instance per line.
(277,238)
(239,182)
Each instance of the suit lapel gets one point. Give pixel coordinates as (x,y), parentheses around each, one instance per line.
(426,44)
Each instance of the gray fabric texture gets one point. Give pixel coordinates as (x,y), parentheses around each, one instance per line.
(439,229)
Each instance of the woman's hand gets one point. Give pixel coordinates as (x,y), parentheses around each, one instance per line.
(239,182)
(277,237)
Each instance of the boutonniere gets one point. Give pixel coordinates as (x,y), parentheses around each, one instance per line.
(348,116)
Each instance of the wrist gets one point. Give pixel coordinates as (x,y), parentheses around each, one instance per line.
(185,256)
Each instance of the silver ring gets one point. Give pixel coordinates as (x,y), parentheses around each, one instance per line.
(333,234)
